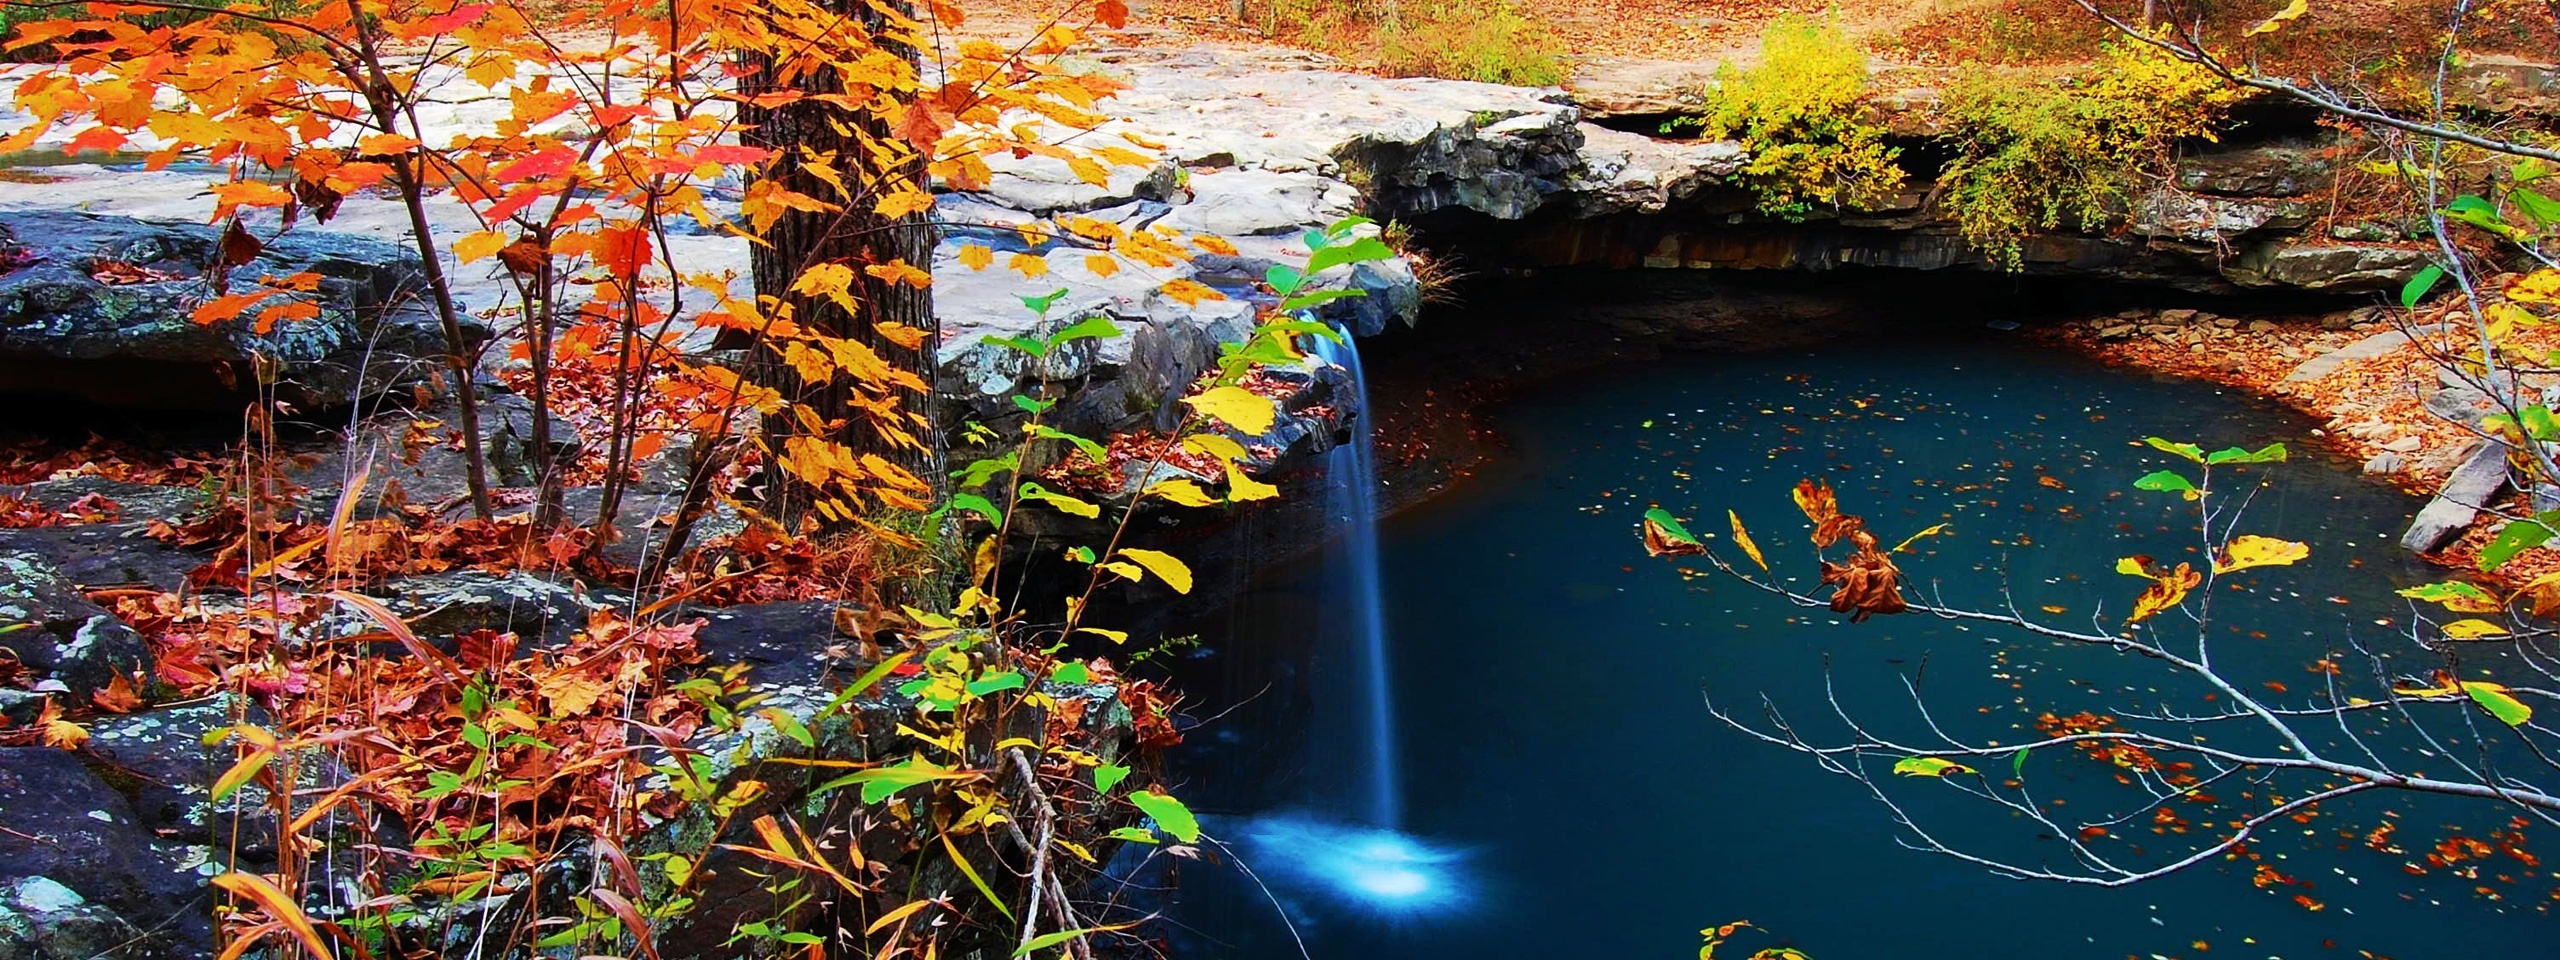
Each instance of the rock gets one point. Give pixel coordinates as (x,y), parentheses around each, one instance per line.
(105,554)
(534,607)
(506,431)
(1624,172)
(2273,170)
(44,920)
(2207,219)
(2121,331)
(1045,185)
(2459,404)
(2405,445)
(68,825)
(1626,86)
(2377,345)
(1239,203)
(2261,326)
(2472,485)
(64,333)
(2385,464)
(69,644)
(2339,267)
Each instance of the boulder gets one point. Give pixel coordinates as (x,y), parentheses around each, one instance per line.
(44,920)
(66,643)
(536,607)
(68,825)
(2208,219)
(2332,267)
(2471,486)
(2274,170)
(64,332)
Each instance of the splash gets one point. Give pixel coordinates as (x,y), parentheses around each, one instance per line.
(1368,868)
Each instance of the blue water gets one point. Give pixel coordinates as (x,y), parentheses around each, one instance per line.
(1571,796)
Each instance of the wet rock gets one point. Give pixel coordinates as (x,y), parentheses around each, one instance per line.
(535,607)
(64,333)
(67,824)
(98,555)
(44,920)
(2472,485)
(506,427)
(69,644)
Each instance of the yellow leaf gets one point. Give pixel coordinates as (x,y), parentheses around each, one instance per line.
(902,203)
(1029,265)
(1245,410)
(479,245)
(1165,566)
(1184,492)
(2251,550)
(386,143)
(1928,767)
(1933,530)
(1102,265)
(1190,292)
(278,906)
(2166,591)
(1126,571)
(1213,244)
(2473,629)
(65,734)
(250,193)
(1742,538)
(1244,489)
(2292,12)
(1213,445)
(572,695)
(976,257)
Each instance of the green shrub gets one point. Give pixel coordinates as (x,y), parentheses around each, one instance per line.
(2035,156)
(1489,43)
(1801,113)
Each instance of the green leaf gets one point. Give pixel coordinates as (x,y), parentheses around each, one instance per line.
(1081,554)
(2479,213)
(2539,422)
(1091,449)
(979,505)
(2515,537)
(1108,776)
(1344,225)
(1042,303)
(2544,210)
(1363,249)
(2165,481)
(2420,285)
(974,880)
(1928,767)
(2271,453)
(1134,835)
(1284,279)
(880,783)
(1670,525)
(864,682)
(1029,405)
(1090,328)
(980,471)
(1169,814)
(1071,672)
(1002,680)
(2187,450)
(1305,300)
(1024,344)
(2494,698)
(789,725)
(2018,763)
(1047,940)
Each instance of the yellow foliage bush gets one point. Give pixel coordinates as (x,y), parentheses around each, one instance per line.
(1800,111)
(2034,156)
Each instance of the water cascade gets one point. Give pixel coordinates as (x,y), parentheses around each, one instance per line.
(1351,475)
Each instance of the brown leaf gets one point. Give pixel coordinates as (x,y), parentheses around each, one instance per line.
(319,198)
(238,246)
(1659,542)
(1867,584)
(118,697)
(525,257)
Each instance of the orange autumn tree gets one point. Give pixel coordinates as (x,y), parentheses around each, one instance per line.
(618,119)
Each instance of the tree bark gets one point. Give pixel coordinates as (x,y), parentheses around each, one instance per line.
(856,236)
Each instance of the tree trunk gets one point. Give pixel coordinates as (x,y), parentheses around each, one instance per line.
(855,236)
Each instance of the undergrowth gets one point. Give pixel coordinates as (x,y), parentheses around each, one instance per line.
(1498,42)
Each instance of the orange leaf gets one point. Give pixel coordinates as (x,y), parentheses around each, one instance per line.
(277,906)
(250,193)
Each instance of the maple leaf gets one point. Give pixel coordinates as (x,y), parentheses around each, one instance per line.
(923,123)
(117,697)
(541,164)
(1102,265)
(59,732)
(899,271)
(1111,13)
(976,256)
(1190,292)
(1030,265)
(525,257)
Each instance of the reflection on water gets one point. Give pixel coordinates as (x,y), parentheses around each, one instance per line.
(1548,679)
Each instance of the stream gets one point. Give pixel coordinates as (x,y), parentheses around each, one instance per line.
(1566,793)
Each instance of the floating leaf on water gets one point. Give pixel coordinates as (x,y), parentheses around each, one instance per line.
(1665,537)
(2250,550)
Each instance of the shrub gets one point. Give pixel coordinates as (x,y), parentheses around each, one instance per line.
(1799,111)
(2034,156)
(1488,43)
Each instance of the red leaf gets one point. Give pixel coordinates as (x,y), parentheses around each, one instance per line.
(539,165)
(727,153)
(455,19)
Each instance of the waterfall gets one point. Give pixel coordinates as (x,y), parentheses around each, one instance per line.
(1351,480)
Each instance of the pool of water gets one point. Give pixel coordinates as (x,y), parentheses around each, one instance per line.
(1567,793)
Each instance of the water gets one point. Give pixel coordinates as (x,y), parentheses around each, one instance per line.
(1567,794)
(1359,615)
